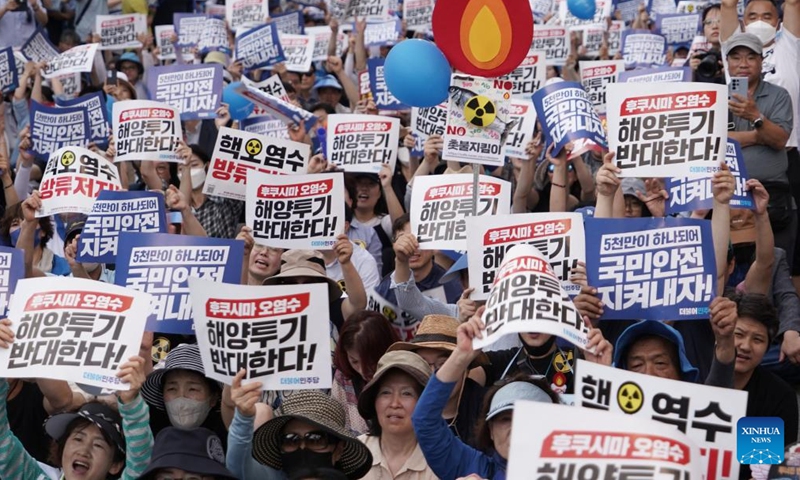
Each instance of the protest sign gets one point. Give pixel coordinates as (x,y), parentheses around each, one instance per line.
(38,47)
(277,334)
(94,104)
(559,441)
(298,50)
(145,130)
(362,143)
(193,90)
(215,37)
(657,75)
(237,152)
(418,14)
(271,86)
(295,211)
(217,11)
(440,205)
(559,237)
(602,11)
(71,85)
(678,29)
(53,128)
(529,76)
(265,125)
(371,10)
(426,122)
(189,27)
(259,47)
(526,296)
(382,33)
(628,10)
(478,120)
(116,212)
(120,32)
(384,98)
(566,114)
(642,49)
(541,9)
(662,7)
(554,41)
(73,329)
(593,36)
(161,264)
(12,269)
(680,131)
(166,49)
(322,37)
(8,71)
(289,113)
(78,59)
(688,194)
(523,117)
(72,180)
(403,322)
(244,14)
(291,22)
(705,414)
(594,78)
(651,268)
(690,6)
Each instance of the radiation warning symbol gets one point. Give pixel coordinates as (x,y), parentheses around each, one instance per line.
(562,364)
(161,347)
(480,111)
(67,158)
(253,146)
(630,397)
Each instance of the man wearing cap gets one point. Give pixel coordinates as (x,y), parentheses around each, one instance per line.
(329,91)
(762,123)
(178,453)
(131,65)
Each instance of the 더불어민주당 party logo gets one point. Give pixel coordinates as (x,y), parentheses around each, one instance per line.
(759,440)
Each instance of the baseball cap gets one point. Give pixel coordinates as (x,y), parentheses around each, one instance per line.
(504,399)
(743,39)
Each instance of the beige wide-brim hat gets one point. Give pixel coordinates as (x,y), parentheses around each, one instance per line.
(405,361)
(304,263)
(439,332)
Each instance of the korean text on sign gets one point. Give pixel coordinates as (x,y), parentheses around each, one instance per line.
(53,128)
(72,180)
(595,76)
(567,114)
(146,130)
(529,76)
(78,59)
(8,71)
(194,90)
(94,105)
(118,32)
(426,122)
(259,48)
(246,13)
(12,269)
(278,334)
(362,143)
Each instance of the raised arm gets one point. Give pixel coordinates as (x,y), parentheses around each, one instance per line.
(722,186)
(135,419)
(356,295)
(176,200)
(607,185)
(525,196)
(759,276)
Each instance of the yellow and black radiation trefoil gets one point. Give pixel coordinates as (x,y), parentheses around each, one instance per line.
(480,111)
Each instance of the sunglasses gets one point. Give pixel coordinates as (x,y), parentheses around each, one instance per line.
(552,168)
(314,441)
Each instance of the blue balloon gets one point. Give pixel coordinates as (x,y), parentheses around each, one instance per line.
(238,106)
(417,73)
(583,9)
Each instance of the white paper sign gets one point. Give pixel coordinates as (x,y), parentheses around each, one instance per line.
(145,130)
(529,76)
(120,32)
(595,76)
(78,59)
(322,39)
(244,14)
(523,117)
(166,48)
(298,50)
(362,143)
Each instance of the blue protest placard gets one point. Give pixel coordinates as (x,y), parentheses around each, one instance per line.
(566,113)
(679,29)
(651,268)
(53,128)
(687,194)
(194,90)
(265,125)
(161,264)
(95,105)
(291,23)
(384,99)
(656,75)
(629,9)
(8,71)
(215,37)
(117,212)
(259,47)
(38,47)
(382,33)
(12,269)
(189,28)
(642,49)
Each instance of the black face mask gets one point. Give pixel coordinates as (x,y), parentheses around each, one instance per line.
(541,350)
(302,460)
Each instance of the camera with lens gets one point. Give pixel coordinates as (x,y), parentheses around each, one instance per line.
(710,68)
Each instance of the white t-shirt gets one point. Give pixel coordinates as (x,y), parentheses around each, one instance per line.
(782,67)
(365,266)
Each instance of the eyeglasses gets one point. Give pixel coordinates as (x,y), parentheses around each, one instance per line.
(275,251)
(314,441)
(552,168)
(715,21)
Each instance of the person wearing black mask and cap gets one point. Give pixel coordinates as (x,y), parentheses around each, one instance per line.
(193,453)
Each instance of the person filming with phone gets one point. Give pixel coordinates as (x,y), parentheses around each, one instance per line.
(19,19)
(761,122)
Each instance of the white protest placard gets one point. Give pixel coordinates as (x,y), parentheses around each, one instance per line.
(271,86)
(426,122)
(529,76)
(554,40)
(681,131)
(243,14)
(291,22)
(322,39)
(120,32)
(78,59)
(707,415)
(478,120)
(523,117)
(527,297)
(595,76)
(295,211)
(266,125)
(73,329)
(371,10)
(440,205)
(279,334)
(418,14)
(146,130)
(72,180)
(403,322)
(559,237)
(215,10)
(592,37)
(237,152)
(71,85)
(298,50)
(166,48)
(362,143)
(381,33)
(559,441)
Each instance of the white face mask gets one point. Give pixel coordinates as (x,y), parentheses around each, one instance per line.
(198,177)
(761,29)
(185,413)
